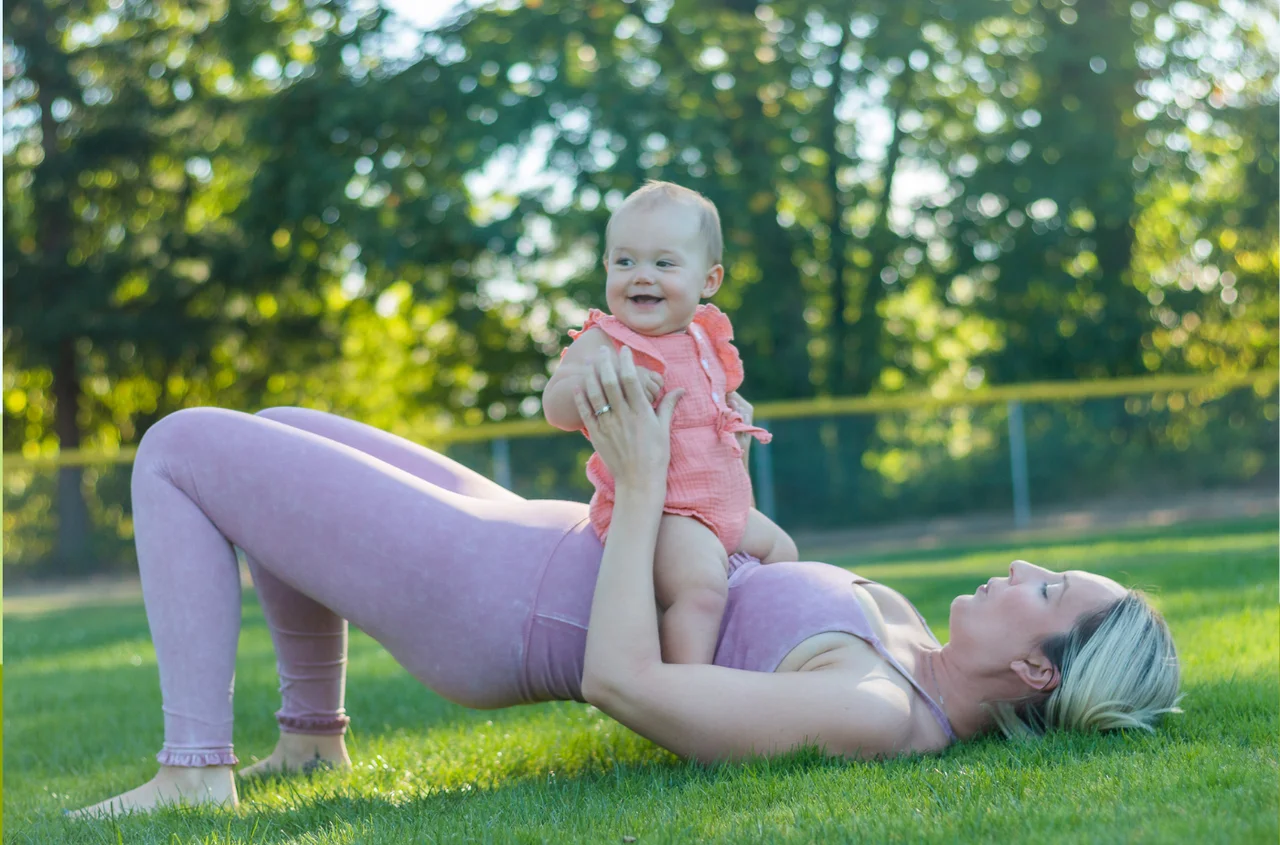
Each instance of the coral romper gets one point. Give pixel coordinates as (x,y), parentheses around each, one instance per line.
(706,479)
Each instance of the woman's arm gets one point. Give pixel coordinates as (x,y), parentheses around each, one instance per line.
(705,712)
(710,713)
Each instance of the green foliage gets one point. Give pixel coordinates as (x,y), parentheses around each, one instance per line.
(255,203)
(82,721)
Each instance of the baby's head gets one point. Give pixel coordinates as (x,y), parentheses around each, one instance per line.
(661,257)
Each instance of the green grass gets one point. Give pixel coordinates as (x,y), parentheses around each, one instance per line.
(82,722)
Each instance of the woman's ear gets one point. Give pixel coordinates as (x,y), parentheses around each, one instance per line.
(714,277)
(1037,672)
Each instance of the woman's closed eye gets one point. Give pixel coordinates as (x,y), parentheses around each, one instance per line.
(1044,590)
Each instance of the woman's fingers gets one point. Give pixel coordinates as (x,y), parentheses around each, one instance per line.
(607,373)
(629,377)
(586,412)
(596,395)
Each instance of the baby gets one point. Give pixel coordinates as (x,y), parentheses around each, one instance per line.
(662,256)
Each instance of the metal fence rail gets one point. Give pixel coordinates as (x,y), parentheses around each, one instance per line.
(838,462)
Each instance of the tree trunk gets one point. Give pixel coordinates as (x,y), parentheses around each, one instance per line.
(53,221)
(72,555)
(838,355)
(865,359)
(861,353)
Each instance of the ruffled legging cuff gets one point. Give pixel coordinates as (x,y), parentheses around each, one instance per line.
(197,757)
(321,725)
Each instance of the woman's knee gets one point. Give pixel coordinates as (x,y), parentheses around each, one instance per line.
(284,413)
(176,431)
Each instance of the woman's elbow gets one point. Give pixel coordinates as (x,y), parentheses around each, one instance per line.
(598,690)
(614,683)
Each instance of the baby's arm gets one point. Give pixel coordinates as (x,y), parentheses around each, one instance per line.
(766,541)
(557,397)
(558,406)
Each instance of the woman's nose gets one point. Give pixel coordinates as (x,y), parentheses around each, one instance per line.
(1022,569)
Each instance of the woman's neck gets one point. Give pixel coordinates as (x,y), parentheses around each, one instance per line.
(961,692)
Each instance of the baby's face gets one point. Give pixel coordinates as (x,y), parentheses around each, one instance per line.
(657,269)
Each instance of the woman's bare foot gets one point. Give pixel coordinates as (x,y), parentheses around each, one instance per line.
(172,785)
(302,753)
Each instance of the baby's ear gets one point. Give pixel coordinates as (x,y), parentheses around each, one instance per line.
(714,278)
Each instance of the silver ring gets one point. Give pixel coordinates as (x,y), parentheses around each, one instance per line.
(606,409)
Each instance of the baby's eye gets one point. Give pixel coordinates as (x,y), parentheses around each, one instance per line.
(623,262)
(665,263)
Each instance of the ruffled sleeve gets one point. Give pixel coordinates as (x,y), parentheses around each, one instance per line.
(594,316)
(720,332)
(645,351)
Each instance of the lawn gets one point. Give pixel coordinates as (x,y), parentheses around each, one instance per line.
(82,721)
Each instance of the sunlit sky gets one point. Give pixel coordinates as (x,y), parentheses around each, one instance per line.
(873,123)
(424,13)
(508,174)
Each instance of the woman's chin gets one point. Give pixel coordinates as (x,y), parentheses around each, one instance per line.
(961,602)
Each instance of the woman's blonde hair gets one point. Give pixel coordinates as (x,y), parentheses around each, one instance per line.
(1119,669)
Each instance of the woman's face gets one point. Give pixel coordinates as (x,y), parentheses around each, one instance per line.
(1007,618)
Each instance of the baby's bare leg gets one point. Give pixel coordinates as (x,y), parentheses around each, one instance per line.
(765,540)
(691,585)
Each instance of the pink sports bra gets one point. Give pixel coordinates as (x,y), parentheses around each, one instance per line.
(774,608)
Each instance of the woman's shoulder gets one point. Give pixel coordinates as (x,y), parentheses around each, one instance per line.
(896,608)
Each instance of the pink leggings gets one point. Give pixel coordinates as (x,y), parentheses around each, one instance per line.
(480,594)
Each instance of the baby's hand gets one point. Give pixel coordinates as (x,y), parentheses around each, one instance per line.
(652,383)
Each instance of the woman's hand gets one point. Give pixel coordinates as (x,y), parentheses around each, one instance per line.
(747,411)
(631,437)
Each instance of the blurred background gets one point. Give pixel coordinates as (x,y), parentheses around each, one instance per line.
(983,257)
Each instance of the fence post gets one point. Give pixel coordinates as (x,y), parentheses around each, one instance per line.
(501,451)
(764,476)
(1018,466)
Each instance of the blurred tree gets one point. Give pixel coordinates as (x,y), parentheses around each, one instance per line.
(121,258)
(1207,238)
(1052,177)
(296,202)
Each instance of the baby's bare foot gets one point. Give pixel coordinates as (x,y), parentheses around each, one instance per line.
(172,785)
(301,753)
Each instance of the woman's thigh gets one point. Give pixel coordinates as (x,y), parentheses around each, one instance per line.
(445,582)
(411,457)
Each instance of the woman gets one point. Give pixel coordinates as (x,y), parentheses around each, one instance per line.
(485,597)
